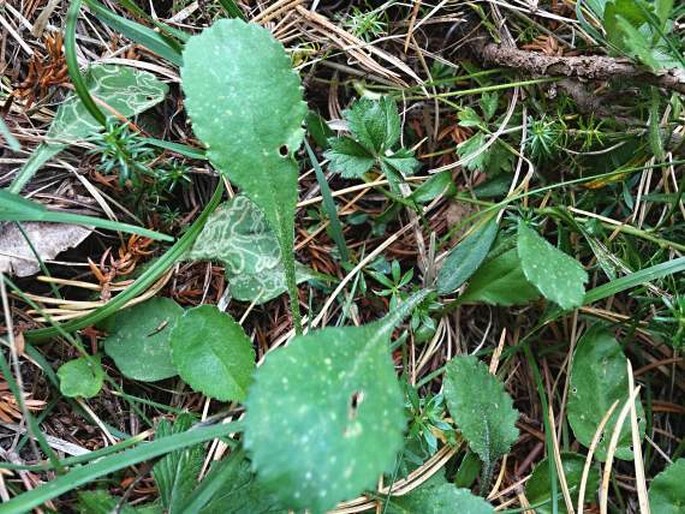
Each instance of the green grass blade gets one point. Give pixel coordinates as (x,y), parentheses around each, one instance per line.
(9,137)
(85,474)
(151,275)
(141,34)
(179,148)
(232,9)
(72,64)
(15,208)
(635,279)
(329,206)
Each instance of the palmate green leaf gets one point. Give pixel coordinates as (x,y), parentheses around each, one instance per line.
(667,490)
(500,281)
(598,378)
(375,123)
(465,258)
(81,378)
(538,489)
(212,353)
(139,339)
(470,149)
(556,275)
(176,474)
(481,408)
(238,235)
(325,415)
(401,162)
(246,105)
(348,157)
(127,91)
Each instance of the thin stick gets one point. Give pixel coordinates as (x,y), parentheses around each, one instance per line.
(613,443)
(590,454)
(560,467)
(640,481)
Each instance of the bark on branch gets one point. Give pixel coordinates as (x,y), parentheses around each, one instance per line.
(591,67)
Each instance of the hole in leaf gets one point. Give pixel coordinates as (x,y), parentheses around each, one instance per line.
(574,390)
(283,150)
(355,401)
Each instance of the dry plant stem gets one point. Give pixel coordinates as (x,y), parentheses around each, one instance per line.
(589,67)
(611,450)
(590,454)
(640,480)
(559,465)
(14,356)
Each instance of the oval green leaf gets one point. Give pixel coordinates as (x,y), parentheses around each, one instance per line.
(481,408)
(559,277)
(598,378)
(465,258)
(212,353)
(667,491)
(81,378)
(139,339)
(500,281)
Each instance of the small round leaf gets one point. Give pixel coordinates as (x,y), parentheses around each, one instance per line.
(81,378)
(139,339)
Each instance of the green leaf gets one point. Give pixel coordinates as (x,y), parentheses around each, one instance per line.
(468,471)
(402,162)
(557,276)
(469,150)
(438,184)
(667,491)
(481,408)
(127,91)
(598,378)
(139,339)
(246,105)
(538,487)
(81,378)
(348,157)
(465,258)
(488,104)
(439,499)
(469,118)
(238,236)
(212,353)
(374,123)
(236,490)
(325,415)
(500,281)
(318,129)
(101,502)
(176,474)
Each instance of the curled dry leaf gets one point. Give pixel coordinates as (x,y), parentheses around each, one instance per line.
(48,240)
